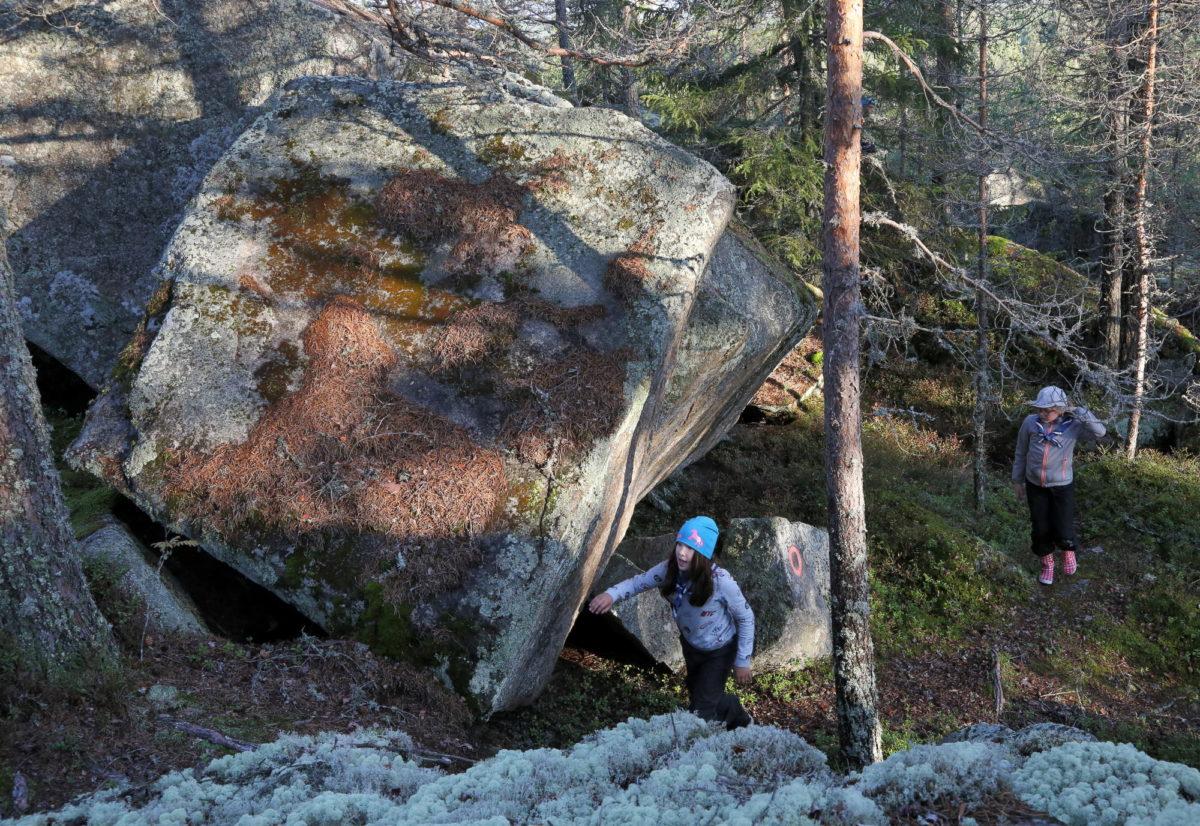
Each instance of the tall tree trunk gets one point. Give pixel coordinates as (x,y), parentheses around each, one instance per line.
(801,21)
(47,615)
(947,52)
(1114,202)
(562,22)
(853,651)
(983,384)
(946,57)
(1145,251)
(630,95)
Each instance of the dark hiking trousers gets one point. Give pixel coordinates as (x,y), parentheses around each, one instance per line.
(707,672)
(1052,511)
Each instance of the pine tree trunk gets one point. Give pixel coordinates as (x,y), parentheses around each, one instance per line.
(801,22)
(853,651)
(1145,250)
(47,615)
(563,23)
(1114,205)
(983,384)
(945,60)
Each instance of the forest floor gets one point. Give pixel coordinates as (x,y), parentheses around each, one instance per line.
(1113,650)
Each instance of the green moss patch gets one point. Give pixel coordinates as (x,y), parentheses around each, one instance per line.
(88,499)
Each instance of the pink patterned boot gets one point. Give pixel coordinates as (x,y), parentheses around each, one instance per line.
(1070,564)
(1047,575)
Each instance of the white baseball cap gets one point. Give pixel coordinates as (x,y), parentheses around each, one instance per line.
(1049,397)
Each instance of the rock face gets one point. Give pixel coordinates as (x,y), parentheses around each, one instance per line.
(783,569)
(160,603)
(417,351)
(114,112)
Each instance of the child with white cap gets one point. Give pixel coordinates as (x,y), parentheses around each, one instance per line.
(716,624)
(1043,473)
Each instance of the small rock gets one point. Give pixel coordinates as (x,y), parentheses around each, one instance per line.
(163,697)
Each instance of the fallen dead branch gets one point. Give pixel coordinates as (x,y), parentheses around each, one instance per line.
(209,734)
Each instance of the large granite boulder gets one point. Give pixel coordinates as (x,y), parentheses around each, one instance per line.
(782,568)
(417,351)
(113,114)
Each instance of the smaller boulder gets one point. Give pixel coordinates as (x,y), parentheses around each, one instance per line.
(783,569)
(132,592)
(1029,740)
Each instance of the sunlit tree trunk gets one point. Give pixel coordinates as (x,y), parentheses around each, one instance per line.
(853,651)
(1145,251)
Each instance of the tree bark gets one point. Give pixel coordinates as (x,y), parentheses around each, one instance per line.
(801,22)
(983,385)
(1145,251)
(562,22)
(946,57)
(1114,204)
(630,94)
(47,615)
(853,651)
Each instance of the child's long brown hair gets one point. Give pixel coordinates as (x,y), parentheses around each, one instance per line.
(701,572)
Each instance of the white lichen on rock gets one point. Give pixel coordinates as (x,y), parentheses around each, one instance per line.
(1104,784)
(670,769)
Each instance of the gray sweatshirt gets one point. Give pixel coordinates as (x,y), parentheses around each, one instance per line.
(708,626)
(1045,453)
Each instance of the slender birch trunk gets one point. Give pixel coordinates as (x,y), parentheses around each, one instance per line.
(853,651)
(1145,251)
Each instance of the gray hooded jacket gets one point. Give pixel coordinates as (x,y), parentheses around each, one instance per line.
(1045,453)
(708,626)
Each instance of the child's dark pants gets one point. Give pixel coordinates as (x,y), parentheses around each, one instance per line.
(1052,511)
(707,672)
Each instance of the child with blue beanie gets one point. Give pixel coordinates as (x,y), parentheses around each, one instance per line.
(716,624)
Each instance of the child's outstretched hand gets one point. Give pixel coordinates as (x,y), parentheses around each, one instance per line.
(742,674)
(600,604)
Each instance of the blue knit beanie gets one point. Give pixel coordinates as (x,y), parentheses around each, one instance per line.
(700,534)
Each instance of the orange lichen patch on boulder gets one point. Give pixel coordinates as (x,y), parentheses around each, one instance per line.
(628,275)
(566,318)
(551,176)
(342,454)
(326,241)
(561,401)
(475,333)
(130,358)
(250,282)
(479,221)
(567,403)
